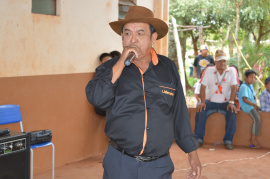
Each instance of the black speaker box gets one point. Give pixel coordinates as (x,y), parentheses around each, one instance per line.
(15,156)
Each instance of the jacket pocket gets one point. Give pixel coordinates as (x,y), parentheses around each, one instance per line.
(167,92)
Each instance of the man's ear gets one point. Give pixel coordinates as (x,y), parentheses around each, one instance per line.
(154,38)
(122,37)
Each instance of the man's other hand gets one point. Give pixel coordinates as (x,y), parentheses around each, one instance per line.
(201,106)
(196,167)
(232,107)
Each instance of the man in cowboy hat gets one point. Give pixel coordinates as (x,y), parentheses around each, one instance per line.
(221,82)
(144,103)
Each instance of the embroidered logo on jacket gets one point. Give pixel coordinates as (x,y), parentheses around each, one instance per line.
(167,92)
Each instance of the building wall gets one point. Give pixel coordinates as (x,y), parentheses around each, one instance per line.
(57,102)
(46,62)
(35,44)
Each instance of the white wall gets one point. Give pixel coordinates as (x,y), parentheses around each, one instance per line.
(146,3)
(34,44)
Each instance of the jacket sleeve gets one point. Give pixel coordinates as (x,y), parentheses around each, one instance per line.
(100,91)
(184,137)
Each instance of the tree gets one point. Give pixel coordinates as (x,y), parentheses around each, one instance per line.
(255,19)
(200,13)
(238,5)
(256,55)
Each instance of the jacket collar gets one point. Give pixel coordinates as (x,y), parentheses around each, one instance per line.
(154,57)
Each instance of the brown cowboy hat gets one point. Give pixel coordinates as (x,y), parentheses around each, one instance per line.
(141,14)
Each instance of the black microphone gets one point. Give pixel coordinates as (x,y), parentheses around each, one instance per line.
(129,58)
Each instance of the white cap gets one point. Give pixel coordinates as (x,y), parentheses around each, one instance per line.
(220,55)
(204,47)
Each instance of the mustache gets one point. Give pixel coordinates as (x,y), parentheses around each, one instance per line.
(133,45)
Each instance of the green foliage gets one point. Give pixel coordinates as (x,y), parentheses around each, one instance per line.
(216,13)
(233,60)
(221,15)
(266,59)
(203,13)
(189,93)
(255,18)
(250,13)
(256,54)
(192,81)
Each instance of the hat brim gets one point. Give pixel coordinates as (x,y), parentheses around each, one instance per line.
(160,26)
(221,58)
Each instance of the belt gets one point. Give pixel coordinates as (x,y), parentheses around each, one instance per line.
(137,157)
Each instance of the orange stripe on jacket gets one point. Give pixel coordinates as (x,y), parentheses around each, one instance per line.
(154,57)
(145,129)
(167,87)
(155,62)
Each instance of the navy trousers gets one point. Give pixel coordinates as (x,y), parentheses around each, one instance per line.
(121,166)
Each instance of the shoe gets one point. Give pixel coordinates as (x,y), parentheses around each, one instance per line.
(200,144)
(229,146)
(254,147)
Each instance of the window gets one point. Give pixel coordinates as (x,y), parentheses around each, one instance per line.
(48,7)
(123,7)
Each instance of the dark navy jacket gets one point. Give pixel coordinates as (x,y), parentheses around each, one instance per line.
(145,111)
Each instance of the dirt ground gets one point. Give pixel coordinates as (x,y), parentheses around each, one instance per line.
(217,162)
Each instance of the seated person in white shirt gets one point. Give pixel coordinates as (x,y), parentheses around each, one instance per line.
(217,93)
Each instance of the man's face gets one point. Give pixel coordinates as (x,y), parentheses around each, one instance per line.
(267,86)
(104,59)
(221,65)
(251,78)
(138,35)
(204,52)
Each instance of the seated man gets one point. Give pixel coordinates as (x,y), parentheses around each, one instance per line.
(221,82)
(265,97)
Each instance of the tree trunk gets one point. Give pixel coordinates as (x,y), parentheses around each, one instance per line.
(238,5)
(231,44)
(194,42)
(226,38)
(254,37)
(260,34)
(201,35)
